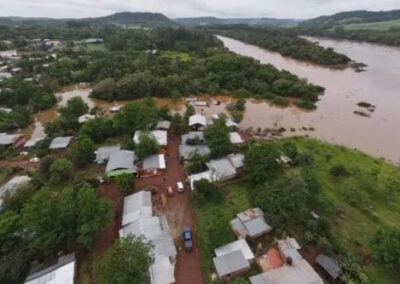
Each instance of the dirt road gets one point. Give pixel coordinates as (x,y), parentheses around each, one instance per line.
(179,215)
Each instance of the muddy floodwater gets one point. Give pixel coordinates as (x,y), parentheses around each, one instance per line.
(334,120)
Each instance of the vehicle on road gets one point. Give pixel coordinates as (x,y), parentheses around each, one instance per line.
(34,160)
(180,186)
(187,238)
(170,191)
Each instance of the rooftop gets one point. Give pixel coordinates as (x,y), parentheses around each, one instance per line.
(163,124)
(137,205)
(8,139)
(154,162)
(235,138)
(240,245)
(32,142)
(104,153)
(203,175)
(60,142)
(186,151)
(197,119)
(230,263)
(330,265)
(237,160)
(121,160)
(250,222)
(159,135)
(221,169)
(199,135)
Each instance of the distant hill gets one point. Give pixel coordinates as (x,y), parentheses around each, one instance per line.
(353,17)
(212,21)
(123,18)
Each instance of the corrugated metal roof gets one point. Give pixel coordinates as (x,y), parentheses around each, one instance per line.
(122,159)
(32,142)
(186,151)
(163,124)
(250,222)
(61,273)
(235,138)
(197,119)
(159,135)
(60,142)
(8,139)
(162,272)
(237,160)
(329,265)
(203,175)
(230,263)
(194,135)
(221,169)
(137,205)
(234,246)
(298,273)
(104,153)
(154,162)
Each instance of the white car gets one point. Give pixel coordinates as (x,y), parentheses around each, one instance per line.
(180,186)
(34,160)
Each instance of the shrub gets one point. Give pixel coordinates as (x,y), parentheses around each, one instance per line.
(339,171)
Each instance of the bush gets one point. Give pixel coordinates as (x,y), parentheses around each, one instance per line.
(385,244)
(206,191)
(125,183)
(339,171)
(280,101)
(325,246)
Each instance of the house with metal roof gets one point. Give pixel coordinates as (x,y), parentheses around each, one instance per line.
(231,264)
(60,143)
(186,151)
(240,245)
(237,160)
(329,265)
(160,136)
(154,162)
(299,272)
(137,205)
(289,249)
(121,162)
(32,142)
(250,223)
(6,109)
(63,272)
(199,176)
(9,139)
(85,117)
(13,185)
(163,125)
(104,153)
(221,169)
(235,138)
(197,122)
(194,137)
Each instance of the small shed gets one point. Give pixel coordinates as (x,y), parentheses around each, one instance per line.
(329,265)
(60,143)
(197,122)
(231,264)
(121,162)
(104,153)
(289,249)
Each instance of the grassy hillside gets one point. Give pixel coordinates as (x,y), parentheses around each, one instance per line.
(377,26)
(211,21)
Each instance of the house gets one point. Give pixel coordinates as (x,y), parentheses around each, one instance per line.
(289,249)
(231,124)
(13,185)
(250,223)
(5,75)
(221,169)
(115,109)
(186,151)
(6,109)
(104,153)
(195,177)
(160,136)
(9,139)
(121,162)
(235,138)
(31,143)
(237,160)
(61,272)
(137,205)
(231,264)
(194,137)
(299,272)
(197,122)
(9,54)
(329,265)
(163,125)
(85,117)
(154,163)
(239,245)
(60,143)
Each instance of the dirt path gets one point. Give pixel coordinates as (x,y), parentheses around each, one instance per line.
(24,164)
(179,215)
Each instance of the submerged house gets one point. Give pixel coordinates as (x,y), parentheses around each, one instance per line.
(63,272)
(121,162)
(250,223)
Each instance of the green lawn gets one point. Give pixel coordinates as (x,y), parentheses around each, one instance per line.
(378,26)
(95,47)
(183,56)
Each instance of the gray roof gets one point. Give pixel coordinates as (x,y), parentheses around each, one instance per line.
(8,139)
(230,263)
(186,151)
(121,160)
(221,169)
(61,272)
(237,160)
(60,142)
(137,205)
(193,135)
(159,135)
(197,119)
(329,265)
(32,142)
(289,248)
(297,273)
(235,138)
(104,153)
(13,185)
(250,222)
(163,124)
(241,245)
(154,162)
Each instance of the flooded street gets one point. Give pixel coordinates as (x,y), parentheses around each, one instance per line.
(334,120)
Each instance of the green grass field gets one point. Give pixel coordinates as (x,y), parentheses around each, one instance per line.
(378,26)
(95,47)
(183,56)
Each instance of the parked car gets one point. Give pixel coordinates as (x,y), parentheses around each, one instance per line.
(34,160)
(188,238)
(180,187)
(170,191)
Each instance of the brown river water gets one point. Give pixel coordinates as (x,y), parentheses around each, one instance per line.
(333,121)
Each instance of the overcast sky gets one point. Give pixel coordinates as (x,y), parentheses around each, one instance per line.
(190,8)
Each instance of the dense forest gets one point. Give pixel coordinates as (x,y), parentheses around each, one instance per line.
(286,42)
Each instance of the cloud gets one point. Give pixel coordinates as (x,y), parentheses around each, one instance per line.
(189,8)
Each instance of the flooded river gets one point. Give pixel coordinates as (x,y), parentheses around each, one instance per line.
(334,120)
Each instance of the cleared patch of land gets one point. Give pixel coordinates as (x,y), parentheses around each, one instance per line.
(378,26)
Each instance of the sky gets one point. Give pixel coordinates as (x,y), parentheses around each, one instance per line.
(299,9)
